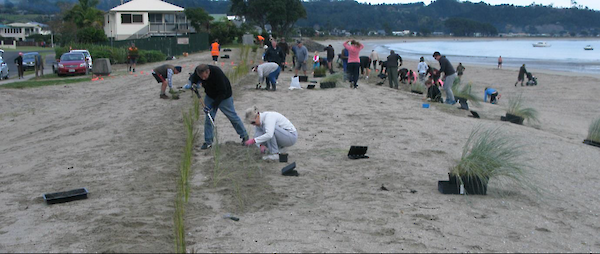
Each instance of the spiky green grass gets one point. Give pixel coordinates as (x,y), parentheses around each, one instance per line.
(517,107)
(594,131)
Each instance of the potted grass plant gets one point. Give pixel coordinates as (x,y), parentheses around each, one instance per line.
(418,87)
(463,94)
(332,80)
(593,137)
(320,72)
(517,112)
(488,154)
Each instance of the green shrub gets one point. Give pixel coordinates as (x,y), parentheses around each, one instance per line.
(490,154)
(418,87)
(114,54)
(515,107)
(594,131)
(150,56)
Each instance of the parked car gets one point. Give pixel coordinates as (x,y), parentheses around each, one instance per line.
(1,53)
(72,63)
(3,70)
(87,54)
(29,60)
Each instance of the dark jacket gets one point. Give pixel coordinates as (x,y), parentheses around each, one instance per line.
(162,70)
(274,55)
(19,60)
(285,49)
(446,66)
(522,72)
(393,60)
(330,52)
(216,86)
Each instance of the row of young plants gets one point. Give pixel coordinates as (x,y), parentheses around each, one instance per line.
(190,119)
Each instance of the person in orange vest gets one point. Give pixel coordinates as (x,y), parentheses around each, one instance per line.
(214,50)
(132,55)
(261,40)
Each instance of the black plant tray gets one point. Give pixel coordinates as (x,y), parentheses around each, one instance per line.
(66,196)
(289,170)
(592,143)
(415,91)
(325,85)
(303,78)
(446,187)
(318,75)
(512,118)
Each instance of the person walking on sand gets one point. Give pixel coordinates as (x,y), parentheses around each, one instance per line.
(521,77)
(218,96)
(449,75)
(460,69)
(365,64)
(272,132)
(132,54)
(19,63)
(493,93)
(274,53)
(215,48)
(269,71)
(392,69)
(353,48)
(374,56)
(500,62)
(285,50)
(330,56)
(422,69)
(164,74)
(316,60)
(301,57)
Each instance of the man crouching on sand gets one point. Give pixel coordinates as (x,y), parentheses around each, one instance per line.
(218,96)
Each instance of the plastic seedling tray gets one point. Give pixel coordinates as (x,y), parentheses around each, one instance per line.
(66,196)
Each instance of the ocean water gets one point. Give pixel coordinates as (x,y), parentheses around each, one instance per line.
(562,55)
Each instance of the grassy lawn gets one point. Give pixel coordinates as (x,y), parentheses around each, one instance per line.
(46,80)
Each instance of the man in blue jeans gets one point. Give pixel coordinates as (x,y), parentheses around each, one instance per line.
(218,96)
(269,71)
(449,76)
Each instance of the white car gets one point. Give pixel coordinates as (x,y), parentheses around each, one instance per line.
(3,70)
(87,55)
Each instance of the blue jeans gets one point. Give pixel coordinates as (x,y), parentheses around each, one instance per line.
(226,106)
(272,78)
(448,88)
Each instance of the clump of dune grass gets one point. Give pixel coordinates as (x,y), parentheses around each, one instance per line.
(594,131)
(490,154)
(418,87)
(465,91)
(517,107)
(333,78)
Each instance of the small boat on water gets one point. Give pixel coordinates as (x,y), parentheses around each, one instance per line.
(541,44)
(588,47)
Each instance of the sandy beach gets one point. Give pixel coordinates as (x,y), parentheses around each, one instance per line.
(116,138)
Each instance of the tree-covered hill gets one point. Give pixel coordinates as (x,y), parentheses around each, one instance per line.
(352,16)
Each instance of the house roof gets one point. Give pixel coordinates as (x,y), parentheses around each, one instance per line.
(22,25)
(147,5)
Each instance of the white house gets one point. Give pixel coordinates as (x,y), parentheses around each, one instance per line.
(20,31)
(145,18)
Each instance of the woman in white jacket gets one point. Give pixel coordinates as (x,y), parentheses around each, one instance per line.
(272,132)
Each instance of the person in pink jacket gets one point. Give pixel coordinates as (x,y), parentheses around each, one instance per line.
(353,48)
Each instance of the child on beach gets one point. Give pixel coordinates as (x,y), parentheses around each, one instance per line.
(316,60)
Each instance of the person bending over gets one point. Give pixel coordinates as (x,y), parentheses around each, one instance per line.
(272,132)
(269,71)
(493,93)
(164,74)
(218,96)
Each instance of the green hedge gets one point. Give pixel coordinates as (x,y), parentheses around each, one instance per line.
(116,55)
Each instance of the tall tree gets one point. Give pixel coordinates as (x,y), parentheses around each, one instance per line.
(281,14)
(84,14)
(198,18)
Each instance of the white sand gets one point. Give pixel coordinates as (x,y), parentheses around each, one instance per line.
(116,138)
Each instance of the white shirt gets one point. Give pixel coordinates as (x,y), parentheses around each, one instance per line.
(268,121)
(422,67)
(374,56)
(265,69)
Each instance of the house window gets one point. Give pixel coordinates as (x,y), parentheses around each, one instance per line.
(155,18)
(169,18)
(131,18)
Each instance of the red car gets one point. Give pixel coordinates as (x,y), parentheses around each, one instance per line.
(72,63)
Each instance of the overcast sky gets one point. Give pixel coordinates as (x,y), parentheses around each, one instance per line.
(592,4)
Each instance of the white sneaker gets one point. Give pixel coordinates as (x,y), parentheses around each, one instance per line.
(272,157)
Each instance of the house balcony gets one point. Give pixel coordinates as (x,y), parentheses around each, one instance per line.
(169,28)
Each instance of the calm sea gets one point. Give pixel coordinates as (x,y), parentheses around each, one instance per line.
(562,55)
